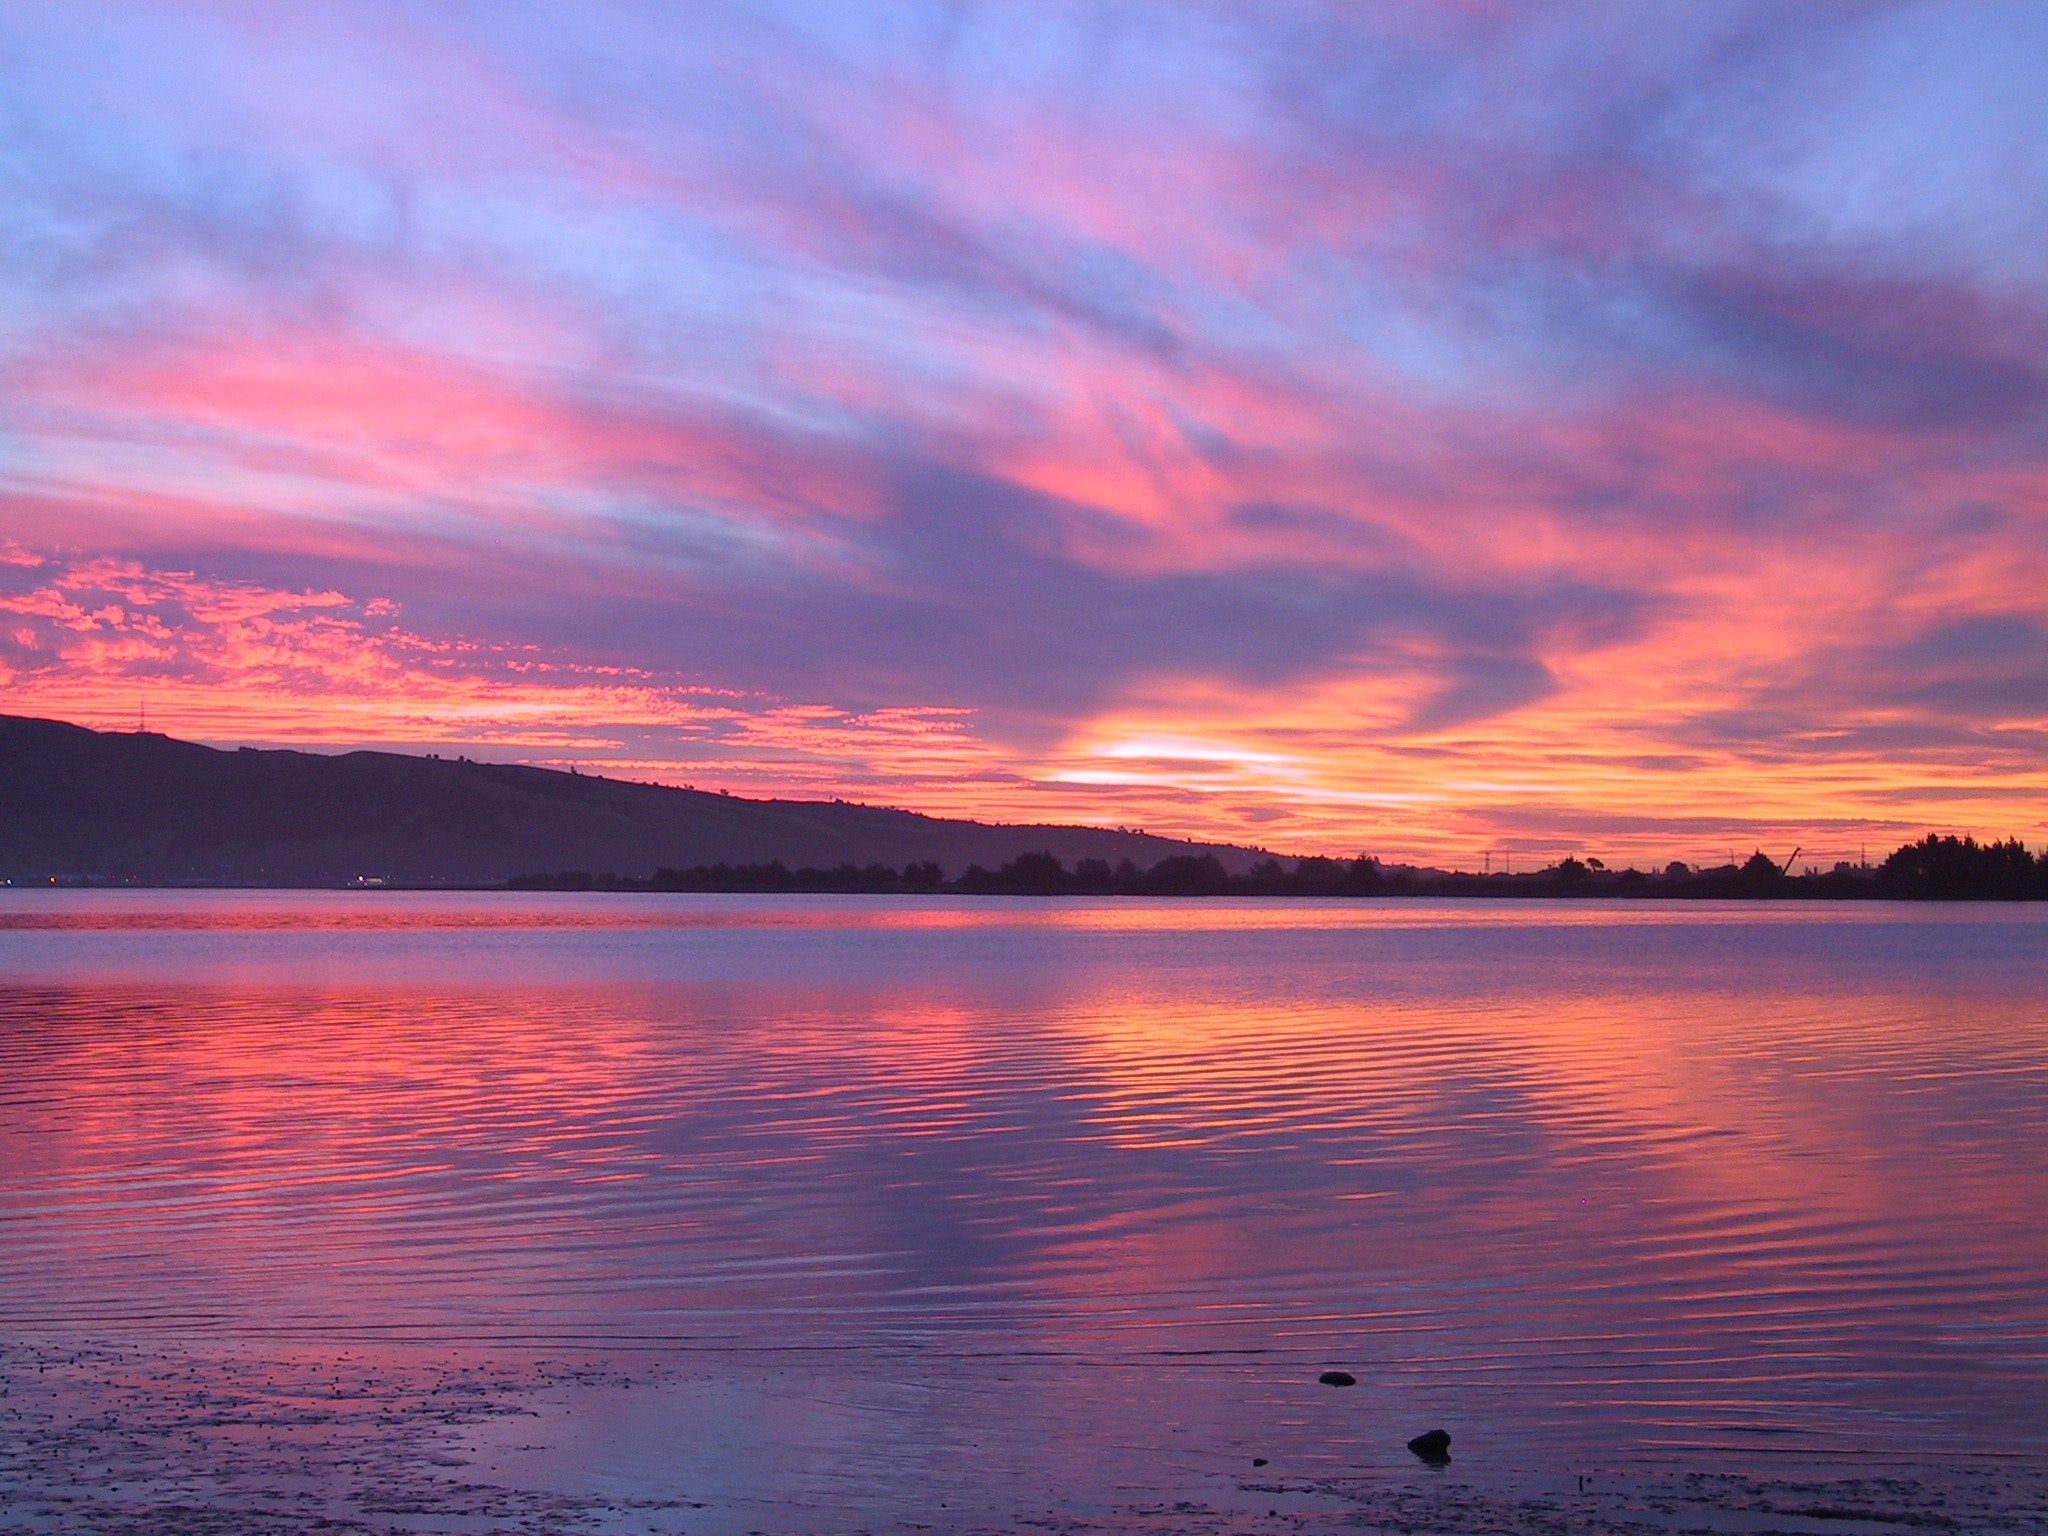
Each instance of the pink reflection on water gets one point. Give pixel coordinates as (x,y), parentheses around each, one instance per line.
(1565,1176)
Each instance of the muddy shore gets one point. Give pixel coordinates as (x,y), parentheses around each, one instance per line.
(116,1440)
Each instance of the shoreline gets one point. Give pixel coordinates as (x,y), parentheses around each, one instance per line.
(1422,892)
(125,1437)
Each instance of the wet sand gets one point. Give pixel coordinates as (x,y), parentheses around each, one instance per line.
(102,1438)
(131,1441)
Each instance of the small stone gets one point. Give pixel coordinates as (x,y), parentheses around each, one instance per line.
(1258,1461)
(1433,1447)
(1338,1379)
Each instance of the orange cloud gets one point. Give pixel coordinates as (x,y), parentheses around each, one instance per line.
(101,640)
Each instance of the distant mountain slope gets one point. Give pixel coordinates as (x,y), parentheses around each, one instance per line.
(120,805)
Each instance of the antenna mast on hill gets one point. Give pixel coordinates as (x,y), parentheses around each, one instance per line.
(141,715)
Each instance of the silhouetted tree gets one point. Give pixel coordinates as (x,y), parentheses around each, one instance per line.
(1961,869)
(1318,877)
(1760,872)
(1363,877)
(1187,875)
(1935,867)
(1094,876)
(1033,874)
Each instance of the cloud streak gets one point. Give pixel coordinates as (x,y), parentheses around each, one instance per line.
(1433,430)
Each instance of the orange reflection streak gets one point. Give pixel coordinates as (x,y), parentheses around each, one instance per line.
(1740,1144)
(1110,1143)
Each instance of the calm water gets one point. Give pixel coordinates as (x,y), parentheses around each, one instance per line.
(904,1202)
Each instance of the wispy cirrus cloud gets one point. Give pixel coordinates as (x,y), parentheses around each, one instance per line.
(1434,428)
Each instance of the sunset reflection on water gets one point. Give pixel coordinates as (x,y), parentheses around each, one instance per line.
(1560,1176)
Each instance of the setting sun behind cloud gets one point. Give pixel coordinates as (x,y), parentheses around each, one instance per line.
(1428,431)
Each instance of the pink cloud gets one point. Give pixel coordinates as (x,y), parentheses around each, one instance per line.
(1403,430)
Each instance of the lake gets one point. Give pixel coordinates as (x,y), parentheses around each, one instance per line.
(691,1213)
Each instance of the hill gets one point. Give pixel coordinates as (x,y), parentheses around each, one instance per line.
(134,805)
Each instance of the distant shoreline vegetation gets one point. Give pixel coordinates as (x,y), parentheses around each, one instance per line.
(1933,869)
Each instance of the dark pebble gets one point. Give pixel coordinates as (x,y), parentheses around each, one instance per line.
(1258,1461)
(1433,1447)
(1338,1379)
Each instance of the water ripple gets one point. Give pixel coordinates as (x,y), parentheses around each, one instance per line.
(1659,1170)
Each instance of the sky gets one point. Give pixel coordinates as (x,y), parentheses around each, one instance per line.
(1464,432)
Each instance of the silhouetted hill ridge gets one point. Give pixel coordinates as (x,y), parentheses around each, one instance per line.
(144,806)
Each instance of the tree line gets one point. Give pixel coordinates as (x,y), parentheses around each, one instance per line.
(1935,868)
